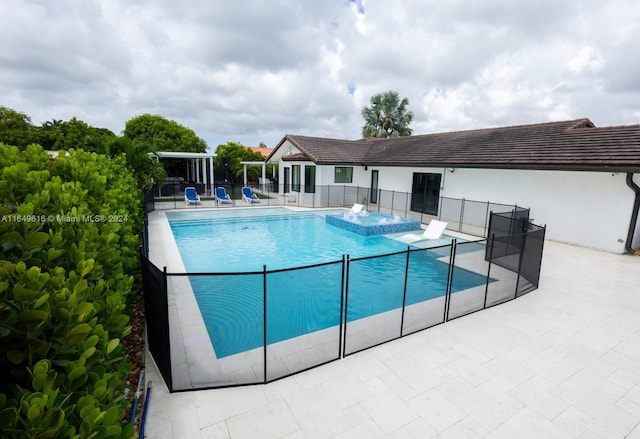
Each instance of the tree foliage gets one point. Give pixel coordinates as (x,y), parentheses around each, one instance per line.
(15,128)
(58,135)
(72,134)
(387,116)
(163,134)
(140,158)
(228,161)
(69,238)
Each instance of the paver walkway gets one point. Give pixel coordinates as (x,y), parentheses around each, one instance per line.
(560,362)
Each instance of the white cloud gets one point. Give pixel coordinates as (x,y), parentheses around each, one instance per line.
(586,59)
(255,71)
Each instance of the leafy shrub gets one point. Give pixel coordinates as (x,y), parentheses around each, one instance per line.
(69,239)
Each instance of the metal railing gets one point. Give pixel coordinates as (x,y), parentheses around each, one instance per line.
(332,309)
(467,216)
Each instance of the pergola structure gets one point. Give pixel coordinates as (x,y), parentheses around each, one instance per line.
(244,169)
(196,166)
(264,171)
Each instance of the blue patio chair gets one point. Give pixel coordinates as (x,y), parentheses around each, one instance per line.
(249,196)
(222,197)
(191,196)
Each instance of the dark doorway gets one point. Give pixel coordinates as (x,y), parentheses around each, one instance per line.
(373,192)
(287,180)
(425,193)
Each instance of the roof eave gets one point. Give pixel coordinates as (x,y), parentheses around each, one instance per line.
(518,166)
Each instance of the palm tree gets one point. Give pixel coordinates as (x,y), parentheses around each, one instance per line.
(51,124)
(141,159)
(387,116)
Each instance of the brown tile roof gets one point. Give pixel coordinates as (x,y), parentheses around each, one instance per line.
(569,145)
(264,151)
(329,151)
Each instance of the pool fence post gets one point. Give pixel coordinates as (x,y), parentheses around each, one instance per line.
(486,288)
(342,285)
(452,261)
(264,317)
(406,205)
(165,290)
(523,242)
(393,196)
(404,292)
(346,309)
(486,217)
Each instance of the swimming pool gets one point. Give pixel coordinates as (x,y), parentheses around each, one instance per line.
(300,301)
(212,241)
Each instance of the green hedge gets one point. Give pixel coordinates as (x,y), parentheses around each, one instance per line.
(69,237)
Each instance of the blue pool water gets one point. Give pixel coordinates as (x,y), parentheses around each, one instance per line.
(299,301)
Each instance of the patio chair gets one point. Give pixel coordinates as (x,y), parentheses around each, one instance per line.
(222,197)
(434,230)
(191,196)
(249,196)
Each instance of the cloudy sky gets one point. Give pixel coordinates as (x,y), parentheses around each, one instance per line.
(252,71)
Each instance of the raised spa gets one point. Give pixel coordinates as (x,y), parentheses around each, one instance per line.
(372,223)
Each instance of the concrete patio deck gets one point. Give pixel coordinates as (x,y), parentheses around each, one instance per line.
(560,362)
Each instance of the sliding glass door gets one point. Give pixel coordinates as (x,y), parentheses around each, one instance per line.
(425,193)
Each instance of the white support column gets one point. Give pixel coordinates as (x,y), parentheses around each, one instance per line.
(211,174)
(244,168)
(264,176)
(204,172)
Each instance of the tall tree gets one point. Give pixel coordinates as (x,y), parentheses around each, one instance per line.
(228,158)
(141,159)
(163,134)
(15,128)
(48,133)
(75,134)
(387,116)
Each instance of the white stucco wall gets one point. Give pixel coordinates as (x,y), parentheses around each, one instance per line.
(590,209)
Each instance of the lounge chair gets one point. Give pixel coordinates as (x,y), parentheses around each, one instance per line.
(434,230)
(249,196)
(191,196)
(357,208)
(222,197)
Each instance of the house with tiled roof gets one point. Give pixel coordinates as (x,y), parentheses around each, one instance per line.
(580,180)
(262,150)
